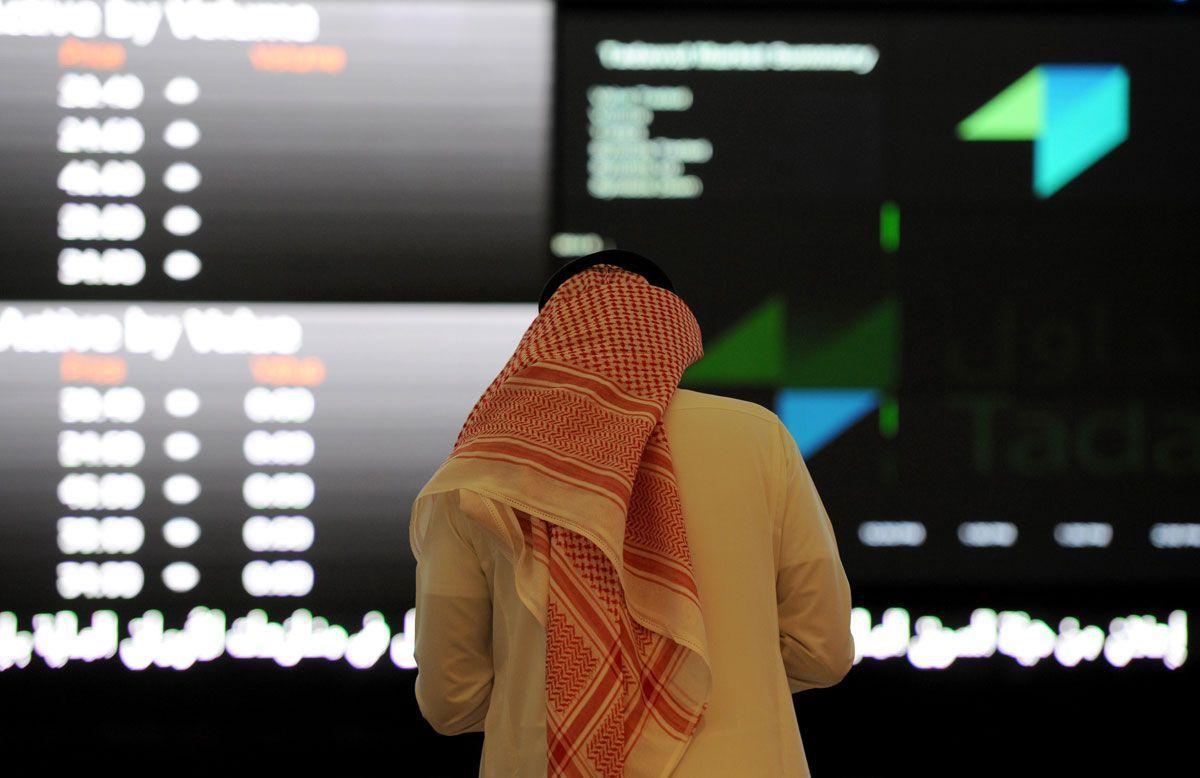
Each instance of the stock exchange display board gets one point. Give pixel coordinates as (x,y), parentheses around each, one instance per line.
(953,251)
(187,191)
(260,259)
(261,151)
(199,461)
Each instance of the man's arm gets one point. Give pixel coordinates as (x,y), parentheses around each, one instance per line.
(453,644)
(812,591)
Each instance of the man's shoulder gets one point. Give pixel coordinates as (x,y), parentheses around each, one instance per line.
(690,400)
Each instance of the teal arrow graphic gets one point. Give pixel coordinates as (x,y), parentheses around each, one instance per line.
(815,417)
(1074,114)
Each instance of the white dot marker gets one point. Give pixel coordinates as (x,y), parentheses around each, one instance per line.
(181,134)
(181,220)
(181,532)
(181,177)
(180,576)
(182,90)
(181,403)
(181,446)
(181,265)
(181,489)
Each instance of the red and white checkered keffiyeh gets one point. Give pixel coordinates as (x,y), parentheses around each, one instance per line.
(565,459)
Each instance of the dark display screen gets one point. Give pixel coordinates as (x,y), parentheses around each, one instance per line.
(955,252)
(263,151)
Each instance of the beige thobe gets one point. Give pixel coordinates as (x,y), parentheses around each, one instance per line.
(775,599)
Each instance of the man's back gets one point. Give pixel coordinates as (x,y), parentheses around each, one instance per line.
(775,600)
(733,470)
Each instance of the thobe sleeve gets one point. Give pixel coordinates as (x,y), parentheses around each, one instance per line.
(453,644)
(812,592)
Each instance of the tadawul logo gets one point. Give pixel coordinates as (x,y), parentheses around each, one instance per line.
(1074,114)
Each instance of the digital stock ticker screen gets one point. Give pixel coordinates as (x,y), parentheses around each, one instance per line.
(964,271)
(261,151)
(260,259)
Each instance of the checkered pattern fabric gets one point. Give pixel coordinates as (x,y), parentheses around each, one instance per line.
(577,411)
